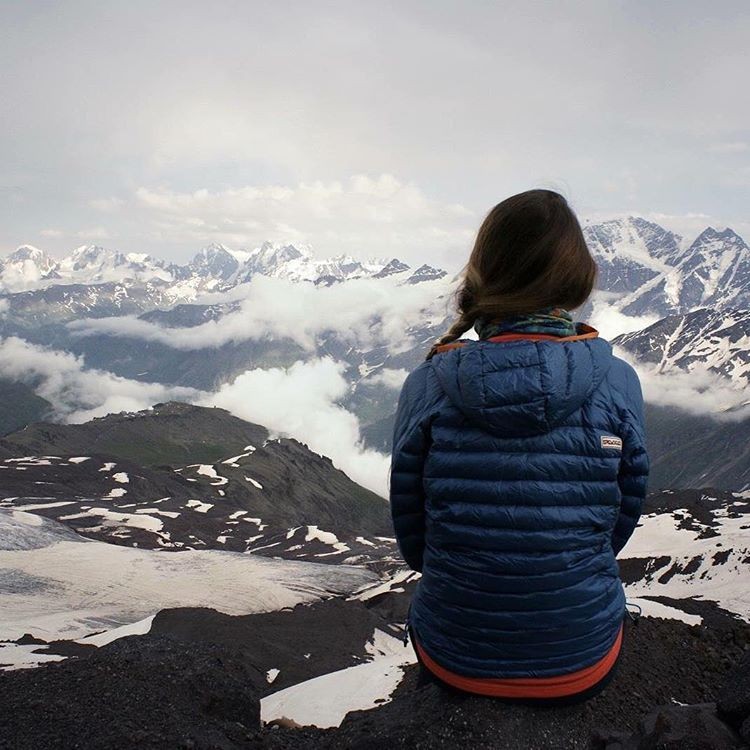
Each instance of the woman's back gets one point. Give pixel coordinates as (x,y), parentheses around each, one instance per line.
(518,472)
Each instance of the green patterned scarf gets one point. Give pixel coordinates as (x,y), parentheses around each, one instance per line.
(555,321)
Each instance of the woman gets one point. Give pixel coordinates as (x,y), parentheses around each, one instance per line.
(518,471)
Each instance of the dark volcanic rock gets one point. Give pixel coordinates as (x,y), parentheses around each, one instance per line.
(675,728)
(302,643)
(663,662)
(734,699)
(155,693)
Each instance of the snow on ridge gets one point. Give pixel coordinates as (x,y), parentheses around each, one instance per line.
(327,537)
(208,470)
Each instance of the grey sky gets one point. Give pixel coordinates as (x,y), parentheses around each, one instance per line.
(160,126)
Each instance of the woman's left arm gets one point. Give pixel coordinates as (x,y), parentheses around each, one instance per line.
(634,466)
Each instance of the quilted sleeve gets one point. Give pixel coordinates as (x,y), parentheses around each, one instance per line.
(410,445)
(634,466)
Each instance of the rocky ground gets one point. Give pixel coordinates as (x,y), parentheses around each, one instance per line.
(159,691)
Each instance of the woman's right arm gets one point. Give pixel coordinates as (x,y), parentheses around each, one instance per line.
(410,446)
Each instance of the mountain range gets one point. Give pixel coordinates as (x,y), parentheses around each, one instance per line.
(214,268)
(150,321)
(651,271)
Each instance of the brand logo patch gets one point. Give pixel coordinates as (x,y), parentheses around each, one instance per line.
(610,441)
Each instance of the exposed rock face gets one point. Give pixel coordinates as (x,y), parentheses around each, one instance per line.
(155,693)
(675,728)
(734,699)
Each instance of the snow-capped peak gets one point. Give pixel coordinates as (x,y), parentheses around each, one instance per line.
(215,261)
(93,257)
(717,242)
(713,271)
(25,268)
(29,252)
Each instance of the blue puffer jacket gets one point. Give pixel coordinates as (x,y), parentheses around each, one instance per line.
(518,473)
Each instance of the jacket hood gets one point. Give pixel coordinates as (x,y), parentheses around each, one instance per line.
(517,388)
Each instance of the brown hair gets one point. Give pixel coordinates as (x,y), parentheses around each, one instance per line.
(529,253)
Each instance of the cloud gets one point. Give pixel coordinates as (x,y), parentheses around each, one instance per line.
(696,392)
(362,311)
(364,216)
(53,233)
(729,147)
(300,402)
(78,394)
(610,322)
(95,233)
(106,205)
(321,99)
(388,377)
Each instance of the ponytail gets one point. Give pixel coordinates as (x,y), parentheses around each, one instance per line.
(459,327)
(467,314)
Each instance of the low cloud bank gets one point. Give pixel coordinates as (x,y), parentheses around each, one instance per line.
(698,392)
(362,311)
(300,402)
(388,377)
(297,402)
(610,322)
(78,394)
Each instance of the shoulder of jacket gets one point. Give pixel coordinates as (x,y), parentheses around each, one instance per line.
(623,376)
(627,392)
(420,371)
(421,387)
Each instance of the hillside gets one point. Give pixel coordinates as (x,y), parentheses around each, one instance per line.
(179,476)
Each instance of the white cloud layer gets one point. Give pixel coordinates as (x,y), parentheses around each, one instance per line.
(697,392)
(299,402)
(361,311)
(610,322)
(76,393)
(388,377)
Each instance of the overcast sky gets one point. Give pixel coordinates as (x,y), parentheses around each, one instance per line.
(375,128)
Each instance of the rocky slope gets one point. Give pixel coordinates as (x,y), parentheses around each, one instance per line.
(705,340)
(234,636)
(186,477)
(714,271)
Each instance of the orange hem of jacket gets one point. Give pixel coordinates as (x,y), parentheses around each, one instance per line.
(589,333)
(558,686)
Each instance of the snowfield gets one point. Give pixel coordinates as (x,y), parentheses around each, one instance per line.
(55,584)
(719,569)
(324,701)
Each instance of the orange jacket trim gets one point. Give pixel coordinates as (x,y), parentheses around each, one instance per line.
(527,687)
(588,333)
